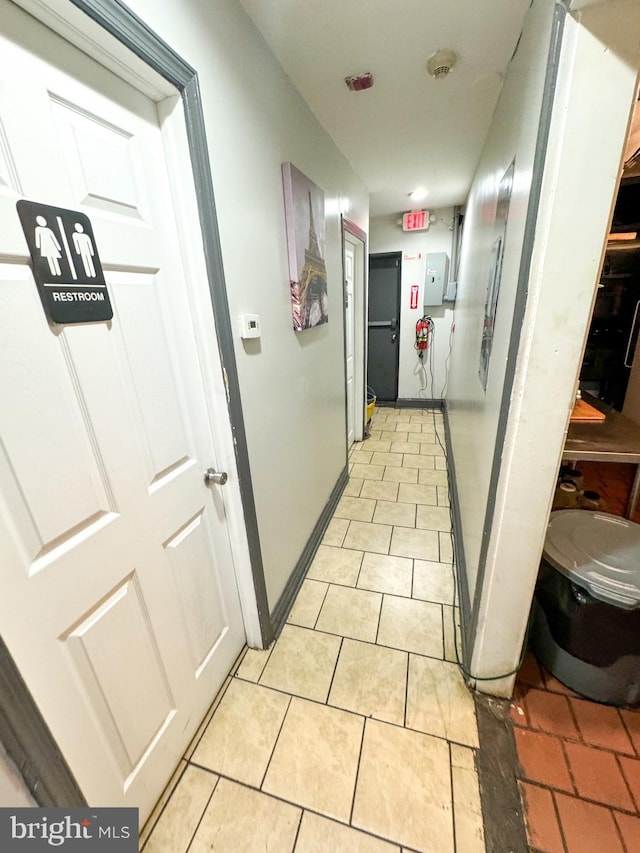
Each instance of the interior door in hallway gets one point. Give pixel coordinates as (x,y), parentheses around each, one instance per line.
(384,325)
(119,601)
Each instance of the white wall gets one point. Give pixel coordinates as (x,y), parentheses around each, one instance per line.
(597,79)
(473,412)
(385,235)
(292,384)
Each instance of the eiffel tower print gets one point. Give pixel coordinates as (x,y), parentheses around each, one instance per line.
(308,285)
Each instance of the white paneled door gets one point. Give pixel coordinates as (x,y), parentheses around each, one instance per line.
(119,600)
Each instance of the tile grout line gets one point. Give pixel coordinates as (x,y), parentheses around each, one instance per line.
(406,692)
(238,661)
(253,788)
(360,640)
(211,710)
(619,831)
(295,840)
(346,533)
(195,831)
(556,810)
(569,767)
(453,803)
(162,810)
(413,574)
(630,791)
(264,665)
(333,675)
(579,741)
(303,808)
(574,718)
(573,795)
(275,743)
(326,704)
(375,642)
(636,749)
(324,598)
(359,571)
(355,783)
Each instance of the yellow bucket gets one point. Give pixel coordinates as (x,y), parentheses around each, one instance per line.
(371,407)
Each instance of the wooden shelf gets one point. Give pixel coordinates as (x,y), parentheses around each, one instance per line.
(584,413)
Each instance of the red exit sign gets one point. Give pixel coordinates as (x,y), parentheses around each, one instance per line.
(415,220)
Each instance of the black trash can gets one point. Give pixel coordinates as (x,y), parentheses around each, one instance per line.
(586,612)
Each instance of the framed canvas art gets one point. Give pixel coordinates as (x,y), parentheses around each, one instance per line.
(305,222)
(495,273)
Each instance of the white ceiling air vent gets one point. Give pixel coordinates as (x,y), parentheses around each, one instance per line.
(441,63)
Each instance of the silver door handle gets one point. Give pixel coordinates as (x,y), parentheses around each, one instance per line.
(633,326)
(394,338)
(215,478)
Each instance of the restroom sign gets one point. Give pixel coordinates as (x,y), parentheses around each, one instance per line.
(65,263)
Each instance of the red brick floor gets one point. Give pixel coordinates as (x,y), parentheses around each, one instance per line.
(580,767)
(580,760)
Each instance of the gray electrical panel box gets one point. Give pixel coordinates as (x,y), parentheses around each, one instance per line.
(436,278)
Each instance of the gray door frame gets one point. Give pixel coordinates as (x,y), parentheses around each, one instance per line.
(23,730)
(397,255)
(351,228)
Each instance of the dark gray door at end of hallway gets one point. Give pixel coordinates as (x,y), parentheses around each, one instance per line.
(384,325)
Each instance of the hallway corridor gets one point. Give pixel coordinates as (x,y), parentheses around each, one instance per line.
(355,732)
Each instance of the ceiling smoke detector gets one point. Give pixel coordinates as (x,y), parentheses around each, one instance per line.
(359,82)
(441,63)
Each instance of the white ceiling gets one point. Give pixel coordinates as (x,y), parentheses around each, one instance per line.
(409,129)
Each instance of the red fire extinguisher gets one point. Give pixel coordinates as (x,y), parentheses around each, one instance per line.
(423,333)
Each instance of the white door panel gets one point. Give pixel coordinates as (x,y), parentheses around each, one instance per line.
(119,599)
(136,703)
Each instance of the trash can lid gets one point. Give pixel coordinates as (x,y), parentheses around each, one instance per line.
(600,552)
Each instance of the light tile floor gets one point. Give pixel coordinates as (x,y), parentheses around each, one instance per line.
(355,732)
